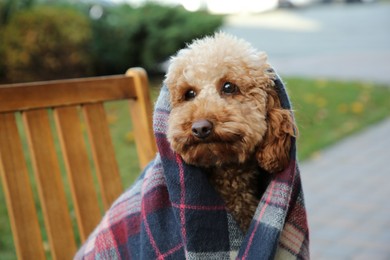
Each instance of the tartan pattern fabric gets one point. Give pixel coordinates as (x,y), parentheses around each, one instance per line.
(172,212)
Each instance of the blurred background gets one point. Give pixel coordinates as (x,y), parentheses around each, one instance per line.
(334,57)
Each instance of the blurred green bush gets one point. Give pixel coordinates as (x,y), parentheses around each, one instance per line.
(47,43)
(145,36)
(57,40)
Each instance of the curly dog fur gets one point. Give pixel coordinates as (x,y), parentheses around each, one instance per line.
(227,118)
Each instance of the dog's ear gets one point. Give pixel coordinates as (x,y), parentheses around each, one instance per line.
(273,154)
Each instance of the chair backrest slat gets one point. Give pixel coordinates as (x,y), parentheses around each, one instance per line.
(142,125)
(103,153)
(78,168)
(65,92)
(49,183)
(18,191)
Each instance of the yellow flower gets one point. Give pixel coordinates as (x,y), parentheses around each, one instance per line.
(343,108)
(365,96)
(357,107)
(129,136)
(112,118)
(321,102)
(321,83)
(309,98)
(316,155)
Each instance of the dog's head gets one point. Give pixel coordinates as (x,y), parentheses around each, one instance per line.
(225,109)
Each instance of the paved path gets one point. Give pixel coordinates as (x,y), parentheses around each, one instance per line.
(333,41)
(347,191)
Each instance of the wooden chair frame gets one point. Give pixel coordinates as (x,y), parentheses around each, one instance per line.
(66,98)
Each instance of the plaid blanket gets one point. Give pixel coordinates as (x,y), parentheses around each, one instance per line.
(172,212)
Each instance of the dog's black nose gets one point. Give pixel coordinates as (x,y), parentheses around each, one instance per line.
(202,128)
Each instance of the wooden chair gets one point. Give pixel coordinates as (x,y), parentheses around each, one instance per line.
(64,99)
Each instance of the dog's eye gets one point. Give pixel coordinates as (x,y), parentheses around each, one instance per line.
(189,95)
(229,88)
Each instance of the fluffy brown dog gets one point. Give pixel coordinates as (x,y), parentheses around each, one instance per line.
(226,118)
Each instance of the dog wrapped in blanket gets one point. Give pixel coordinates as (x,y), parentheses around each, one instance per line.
(225,183)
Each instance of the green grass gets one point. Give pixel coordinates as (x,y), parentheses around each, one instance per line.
(326,111)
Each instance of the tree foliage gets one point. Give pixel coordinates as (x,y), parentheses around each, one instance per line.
(145,36)
(47,43)
(61,40)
